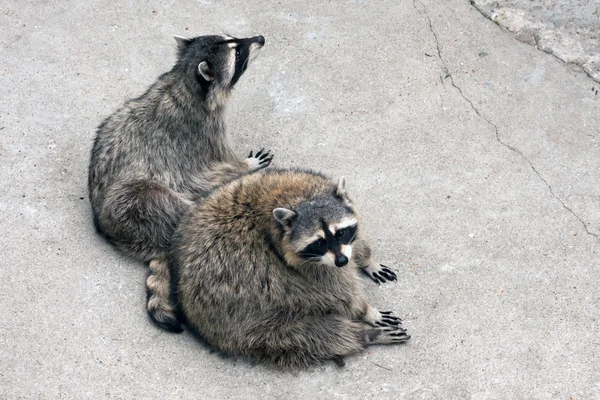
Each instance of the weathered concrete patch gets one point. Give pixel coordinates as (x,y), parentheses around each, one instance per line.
(570,30)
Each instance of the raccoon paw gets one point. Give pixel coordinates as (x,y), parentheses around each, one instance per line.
(387,319)
(386,335)
(381,318)
(260,160)
(380,273)
(339,361)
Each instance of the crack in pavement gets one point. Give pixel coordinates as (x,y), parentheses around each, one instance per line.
(489,122)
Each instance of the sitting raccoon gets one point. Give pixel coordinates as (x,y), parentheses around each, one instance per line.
(163,151)
(266,267)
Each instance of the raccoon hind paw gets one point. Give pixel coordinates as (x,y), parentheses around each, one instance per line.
(386,335)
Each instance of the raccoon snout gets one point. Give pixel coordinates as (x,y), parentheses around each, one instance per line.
(341,260)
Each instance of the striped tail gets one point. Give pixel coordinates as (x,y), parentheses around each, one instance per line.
(158,287)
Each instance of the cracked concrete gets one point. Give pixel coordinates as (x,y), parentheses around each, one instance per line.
(497,133)
(569,30)
(498,266)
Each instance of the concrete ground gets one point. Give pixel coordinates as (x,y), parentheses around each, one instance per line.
(473,157)
(567,29)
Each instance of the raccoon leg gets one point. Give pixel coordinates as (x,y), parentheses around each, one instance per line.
(302,341)
(222,172)
(362,256)
(310,340)
(158,304)
(380,335)
(140,216)
(260,160)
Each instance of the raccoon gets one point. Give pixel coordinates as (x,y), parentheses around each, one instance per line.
(266,267)
(163,151)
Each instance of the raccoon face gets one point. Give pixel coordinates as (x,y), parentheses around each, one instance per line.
(216,63)
(321,230)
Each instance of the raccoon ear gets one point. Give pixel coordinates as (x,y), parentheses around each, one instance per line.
(206,71)
(182,42)
(340,190)
(284,216)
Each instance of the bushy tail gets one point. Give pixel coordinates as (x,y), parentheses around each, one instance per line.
(158,287)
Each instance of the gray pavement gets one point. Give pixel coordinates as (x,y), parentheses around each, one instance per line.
(568,29)
(473,157)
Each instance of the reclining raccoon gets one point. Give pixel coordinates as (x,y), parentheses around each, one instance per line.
(266,267)
(161,152)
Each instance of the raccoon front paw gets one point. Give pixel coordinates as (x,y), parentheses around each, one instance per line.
(387,319)
(260,160)
(380,273)
(381,318)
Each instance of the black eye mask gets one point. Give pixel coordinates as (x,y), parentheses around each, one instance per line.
(242,54)
(346,235)
(316,249)
(319,247)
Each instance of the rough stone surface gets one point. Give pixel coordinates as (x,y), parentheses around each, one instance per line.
(473,158)
(568,29)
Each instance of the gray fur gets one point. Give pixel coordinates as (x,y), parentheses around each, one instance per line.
(238,280)
(163,151)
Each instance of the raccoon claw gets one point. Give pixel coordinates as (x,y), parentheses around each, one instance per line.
(380,279)
(261,159)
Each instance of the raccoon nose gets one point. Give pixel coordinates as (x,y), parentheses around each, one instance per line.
(260,39)
(341,261)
